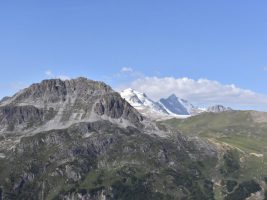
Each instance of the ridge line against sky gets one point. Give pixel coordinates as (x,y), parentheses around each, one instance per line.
(201,92)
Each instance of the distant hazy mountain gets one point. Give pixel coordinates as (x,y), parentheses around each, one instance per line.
(218,108)
(176,106)
(143,104)
(172,106)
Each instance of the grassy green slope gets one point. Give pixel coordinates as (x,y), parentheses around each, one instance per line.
(238,131)
(234,128)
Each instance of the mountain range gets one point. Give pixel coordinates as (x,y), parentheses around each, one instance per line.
(80,140)
(172,106)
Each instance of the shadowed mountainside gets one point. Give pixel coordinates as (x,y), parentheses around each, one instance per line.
(78,139)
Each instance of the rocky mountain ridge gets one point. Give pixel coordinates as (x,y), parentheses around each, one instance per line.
(78,139)
(56,103)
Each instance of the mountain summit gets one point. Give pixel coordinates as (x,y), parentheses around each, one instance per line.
(176,106)
(54,104)
(78,139)
(165,108)
(143,104)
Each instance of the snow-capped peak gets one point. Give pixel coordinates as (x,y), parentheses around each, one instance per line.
(134,97)
(172,106)
(177,106)
(141,102)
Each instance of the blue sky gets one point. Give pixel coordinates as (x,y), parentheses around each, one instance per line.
(223,41)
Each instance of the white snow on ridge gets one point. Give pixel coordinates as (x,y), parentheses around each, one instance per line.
(148,107)
(170,107)
(189,107)
(171,114)
(143,104)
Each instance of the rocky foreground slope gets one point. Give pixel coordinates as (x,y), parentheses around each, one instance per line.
(78,139)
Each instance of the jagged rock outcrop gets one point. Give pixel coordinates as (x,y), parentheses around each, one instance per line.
(116,107)
(59,104)
(218,108)
(17,118)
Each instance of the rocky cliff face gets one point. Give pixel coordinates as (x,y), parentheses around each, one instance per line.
(15,118)
(56,104)
(117,108)
(78,139)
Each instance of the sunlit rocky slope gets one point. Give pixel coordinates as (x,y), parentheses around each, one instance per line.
(78,139)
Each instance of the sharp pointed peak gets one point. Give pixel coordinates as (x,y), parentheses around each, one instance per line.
(173,96)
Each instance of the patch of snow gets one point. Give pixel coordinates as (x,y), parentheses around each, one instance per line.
(140,100)
(2,155)
(143,104)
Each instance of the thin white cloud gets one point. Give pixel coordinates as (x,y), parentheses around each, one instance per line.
(63,77)
(125,73)
(127,69)
(51,75)
(200,92)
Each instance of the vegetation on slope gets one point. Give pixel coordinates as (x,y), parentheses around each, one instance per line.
(242,140)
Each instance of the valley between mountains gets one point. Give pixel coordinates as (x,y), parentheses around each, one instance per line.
(80,140)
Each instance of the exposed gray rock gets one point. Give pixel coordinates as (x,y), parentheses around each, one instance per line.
(115,107)
(99,195)
(218,108)
(17,118)
(54,104)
